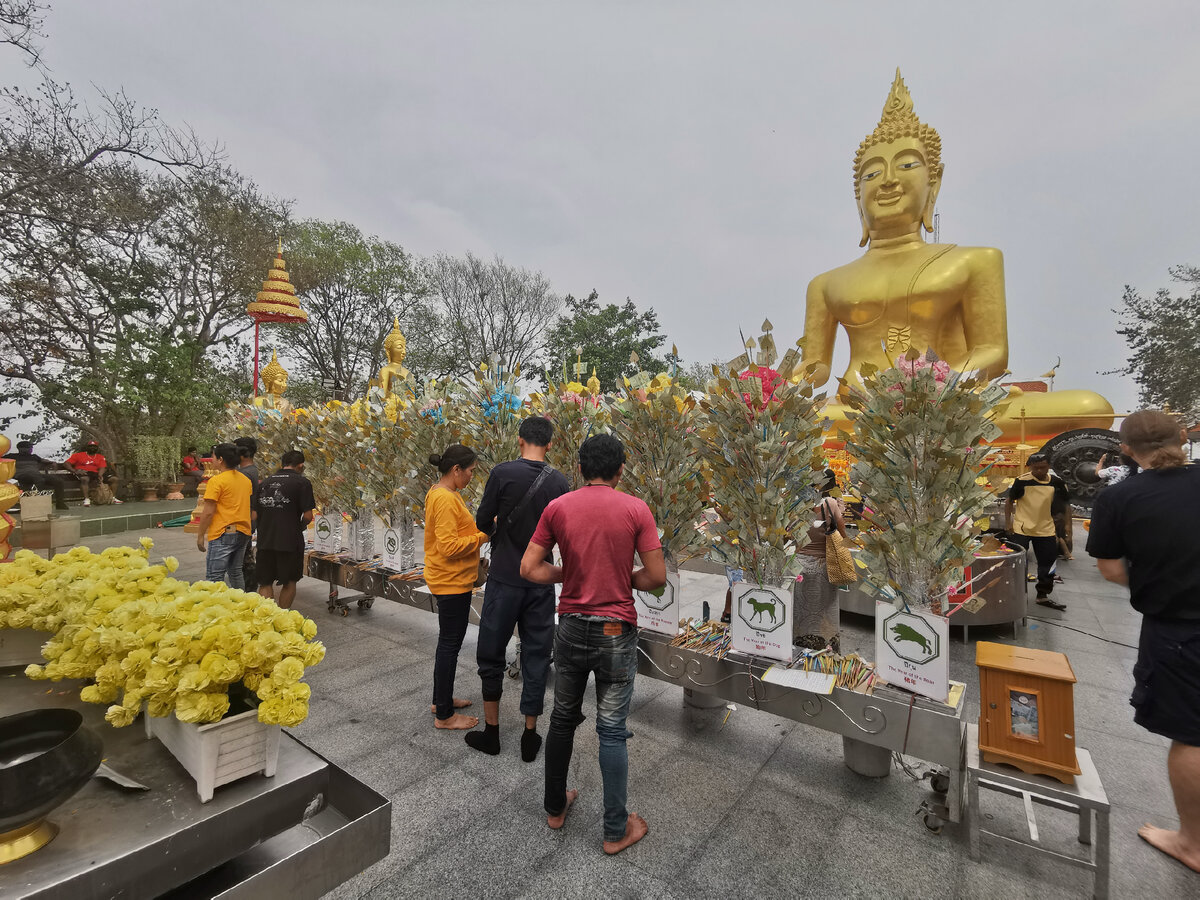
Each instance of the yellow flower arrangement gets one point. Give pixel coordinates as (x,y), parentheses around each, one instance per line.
(147,638)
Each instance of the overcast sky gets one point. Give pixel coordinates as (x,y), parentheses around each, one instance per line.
(696,157)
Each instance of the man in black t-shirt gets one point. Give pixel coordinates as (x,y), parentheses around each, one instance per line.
(285,507)
(513,500)
(31,473)
(247,447)
(1145,533)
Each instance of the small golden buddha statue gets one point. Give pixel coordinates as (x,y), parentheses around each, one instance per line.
(393,374)
(904,293)
(593,383)
(274,381)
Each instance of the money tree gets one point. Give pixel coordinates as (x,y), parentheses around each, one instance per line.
(920,434)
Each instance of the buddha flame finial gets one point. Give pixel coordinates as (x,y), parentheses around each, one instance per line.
(898,120)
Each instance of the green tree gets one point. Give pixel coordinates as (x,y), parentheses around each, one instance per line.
(352,286)
(488,311)
(604,337)
(133,326)
(1163,334)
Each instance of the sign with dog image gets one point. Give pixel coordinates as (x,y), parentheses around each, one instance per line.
(912,650)
(327,532)
(659,610)
(762,621)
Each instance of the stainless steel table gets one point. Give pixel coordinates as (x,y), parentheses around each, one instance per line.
(297,834)
(1084,798)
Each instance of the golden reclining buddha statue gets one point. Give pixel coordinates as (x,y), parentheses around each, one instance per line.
(905,293)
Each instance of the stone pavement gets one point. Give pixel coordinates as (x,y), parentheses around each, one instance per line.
(759,806)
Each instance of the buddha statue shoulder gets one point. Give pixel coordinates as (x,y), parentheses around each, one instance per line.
(393,375)
(906,293)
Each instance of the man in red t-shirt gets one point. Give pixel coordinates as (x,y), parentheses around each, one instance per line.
(597,530)
(90,467)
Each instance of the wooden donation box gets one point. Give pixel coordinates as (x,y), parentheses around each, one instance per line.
(1027,710)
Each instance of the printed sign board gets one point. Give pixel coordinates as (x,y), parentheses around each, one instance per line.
(327,532)
(912,650)
(391,550)
(762,621)
(659,610)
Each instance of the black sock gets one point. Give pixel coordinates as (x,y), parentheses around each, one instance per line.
(531,743)
(486,741)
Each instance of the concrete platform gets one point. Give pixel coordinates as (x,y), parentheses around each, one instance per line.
(97,521)
(754,806)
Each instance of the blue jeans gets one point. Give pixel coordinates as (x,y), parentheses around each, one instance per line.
(581,647)
(531,610)
(223,560)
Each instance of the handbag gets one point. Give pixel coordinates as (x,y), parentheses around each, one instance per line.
(839,563)
(482,573)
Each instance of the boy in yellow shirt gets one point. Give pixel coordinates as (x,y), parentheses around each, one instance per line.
(225,522)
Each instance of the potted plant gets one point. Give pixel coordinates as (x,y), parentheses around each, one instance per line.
(156,461)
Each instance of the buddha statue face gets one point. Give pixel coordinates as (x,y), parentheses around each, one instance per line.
(897,170)
(896,187)
(276,385)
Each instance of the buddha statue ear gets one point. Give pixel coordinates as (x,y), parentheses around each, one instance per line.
(866,235)
(935,185)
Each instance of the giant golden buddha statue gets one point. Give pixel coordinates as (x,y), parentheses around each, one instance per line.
(905,293)
(393,375)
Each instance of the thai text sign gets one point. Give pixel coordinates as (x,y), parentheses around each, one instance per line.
(912,650)
(659,610)
(762,621)
(327,532)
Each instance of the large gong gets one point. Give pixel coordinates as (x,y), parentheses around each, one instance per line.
(1074,454)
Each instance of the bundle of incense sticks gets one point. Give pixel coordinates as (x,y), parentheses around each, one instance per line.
(853,672)
(709,637)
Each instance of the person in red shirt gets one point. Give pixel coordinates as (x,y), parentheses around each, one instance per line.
(90,467)
(597,530)
(193,472)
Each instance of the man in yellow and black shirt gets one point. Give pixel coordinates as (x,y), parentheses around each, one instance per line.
(1030,521)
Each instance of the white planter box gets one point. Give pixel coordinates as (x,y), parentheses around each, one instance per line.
(36,507)
(21,646)
(219,752)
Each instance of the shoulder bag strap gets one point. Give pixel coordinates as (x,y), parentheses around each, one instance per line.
(524,501)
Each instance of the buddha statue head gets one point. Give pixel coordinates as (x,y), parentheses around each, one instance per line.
(394,344)
(897,170)
(274,378)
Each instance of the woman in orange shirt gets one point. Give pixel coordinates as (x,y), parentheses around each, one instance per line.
(452,545)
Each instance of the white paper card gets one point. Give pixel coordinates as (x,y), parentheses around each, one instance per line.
(813,682)
(762,621)
(912,650)
(659,611)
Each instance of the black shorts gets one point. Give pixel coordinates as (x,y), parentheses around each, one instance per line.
(278,566)
(1166,691)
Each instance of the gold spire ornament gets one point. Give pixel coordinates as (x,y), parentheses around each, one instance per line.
(593,383)
(396,348)
(277,302)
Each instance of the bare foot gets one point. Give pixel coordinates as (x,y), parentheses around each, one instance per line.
(457,722)
(556,822)
(459,703)
(1169,843)
(635,830)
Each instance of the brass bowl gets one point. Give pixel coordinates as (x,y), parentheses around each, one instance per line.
(46,755)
